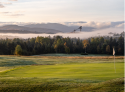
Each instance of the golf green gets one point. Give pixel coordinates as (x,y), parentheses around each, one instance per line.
(89,71)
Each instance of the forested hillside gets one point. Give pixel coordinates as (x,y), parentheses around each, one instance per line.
(58,44)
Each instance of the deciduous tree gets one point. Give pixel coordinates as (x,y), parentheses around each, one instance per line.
(85,43)
(18,50)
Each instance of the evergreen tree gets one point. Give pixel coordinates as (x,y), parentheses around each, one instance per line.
(108,49)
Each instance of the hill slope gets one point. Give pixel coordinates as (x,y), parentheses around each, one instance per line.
(23,29)
(55,26)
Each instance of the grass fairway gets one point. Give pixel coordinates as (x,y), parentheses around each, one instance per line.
(35,74)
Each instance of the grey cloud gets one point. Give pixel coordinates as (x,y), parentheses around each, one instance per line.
(14,23)
(76,22)
(7,3)
(1,5)
(12,0)
(95,25)
(116,23)
(120,25)
(4,3)
(4,12)
(16,15)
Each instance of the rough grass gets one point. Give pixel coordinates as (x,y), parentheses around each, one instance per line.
(51,74)
(37,85)
(12,61)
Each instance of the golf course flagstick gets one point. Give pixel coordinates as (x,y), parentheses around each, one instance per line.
(114,59)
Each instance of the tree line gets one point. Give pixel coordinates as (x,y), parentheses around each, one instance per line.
(58,44)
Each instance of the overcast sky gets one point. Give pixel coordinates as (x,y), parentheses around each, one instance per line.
(61,10)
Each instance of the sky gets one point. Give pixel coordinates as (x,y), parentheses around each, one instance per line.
(40,11)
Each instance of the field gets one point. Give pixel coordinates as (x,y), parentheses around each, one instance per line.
(61,74)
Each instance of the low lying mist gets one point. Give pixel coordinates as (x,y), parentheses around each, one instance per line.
(81,35)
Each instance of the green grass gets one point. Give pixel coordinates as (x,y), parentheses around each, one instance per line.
(94,71)
(35,74)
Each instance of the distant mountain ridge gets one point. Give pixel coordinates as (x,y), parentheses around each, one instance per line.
(60,27)
(23,29)
(49,28)
(55,26)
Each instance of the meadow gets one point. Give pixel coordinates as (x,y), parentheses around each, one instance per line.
(61,74)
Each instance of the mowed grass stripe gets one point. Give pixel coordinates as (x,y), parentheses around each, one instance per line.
(89,71)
